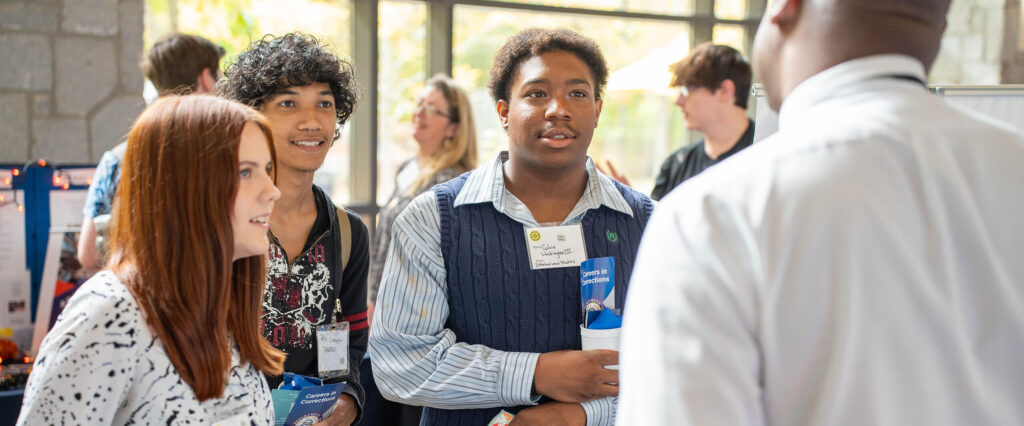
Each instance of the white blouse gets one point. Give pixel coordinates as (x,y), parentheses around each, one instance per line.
(102,365)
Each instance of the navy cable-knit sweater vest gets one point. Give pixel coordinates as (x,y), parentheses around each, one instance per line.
(496,300)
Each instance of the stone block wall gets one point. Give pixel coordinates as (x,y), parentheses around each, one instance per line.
(983,44)
(972,45)
(70,85)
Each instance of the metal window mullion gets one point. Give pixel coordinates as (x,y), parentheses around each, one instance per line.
(696,18)
(363,147)
(703,30)
(440,27)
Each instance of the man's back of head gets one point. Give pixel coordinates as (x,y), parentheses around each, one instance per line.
(177,62)
(860,266)
(799,38)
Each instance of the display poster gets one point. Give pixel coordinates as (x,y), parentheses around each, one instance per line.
(15,278)
(62,276)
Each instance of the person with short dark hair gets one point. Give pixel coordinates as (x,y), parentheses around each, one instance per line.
(183,63)
(176,64)
(468,323)
(714,85)
(167,333)
(307,93)
(860,266)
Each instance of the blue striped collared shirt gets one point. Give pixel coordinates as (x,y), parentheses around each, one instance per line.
(415,358)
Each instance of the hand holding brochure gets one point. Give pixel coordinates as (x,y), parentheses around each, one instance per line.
(602,323)
(303,400)
(597,291)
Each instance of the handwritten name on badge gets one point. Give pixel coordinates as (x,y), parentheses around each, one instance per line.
(555,246)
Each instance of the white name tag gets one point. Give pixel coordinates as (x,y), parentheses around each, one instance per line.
(332,350)
(556,246)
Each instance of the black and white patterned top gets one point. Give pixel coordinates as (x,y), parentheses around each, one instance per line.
(101,365)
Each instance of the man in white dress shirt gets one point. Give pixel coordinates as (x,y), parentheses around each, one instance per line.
(861,266)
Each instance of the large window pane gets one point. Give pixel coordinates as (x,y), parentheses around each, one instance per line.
(234,24)
(660,7)
(639,125)
(731,9)
(402,37)
(730,35)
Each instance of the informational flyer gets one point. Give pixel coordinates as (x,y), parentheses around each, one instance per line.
(15,278)
(597,287)
(62,275)
(309,404)
(66,207)
(12,234)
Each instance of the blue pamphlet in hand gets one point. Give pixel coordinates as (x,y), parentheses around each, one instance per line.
(597,291)
(303,400)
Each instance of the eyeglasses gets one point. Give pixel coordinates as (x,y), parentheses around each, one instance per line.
(685,91)
(430,110)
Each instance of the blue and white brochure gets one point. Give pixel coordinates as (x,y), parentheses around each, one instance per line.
(303,401)
(597,291)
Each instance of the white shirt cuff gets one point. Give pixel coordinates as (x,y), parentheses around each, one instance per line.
(601,412)
(515,378)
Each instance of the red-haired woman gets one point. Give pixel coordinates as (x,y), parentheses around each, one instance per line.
(168,332)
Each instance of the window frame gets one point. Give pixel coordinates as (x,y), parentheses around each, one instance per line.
(440,21)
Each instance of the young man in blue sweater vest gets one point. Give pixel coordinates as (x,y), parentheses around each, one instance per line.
(471,317)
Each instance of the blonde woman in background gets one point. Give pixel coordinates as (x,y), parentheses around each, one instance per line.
(446,137)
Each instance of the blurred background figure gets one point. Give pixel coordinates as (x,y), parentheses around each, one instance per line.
(169,332)
(714,85)
(445,136)
(176,64)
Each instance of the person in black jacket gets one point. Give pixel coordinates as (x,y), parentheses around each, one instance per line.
(714,84)
(307,93)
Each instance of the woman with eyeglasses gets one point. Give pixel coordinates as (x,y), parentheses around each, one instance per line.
(445,135)
(168,332)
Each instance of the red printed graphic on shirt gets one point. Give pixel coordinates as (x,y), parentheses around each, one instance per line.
(296,301)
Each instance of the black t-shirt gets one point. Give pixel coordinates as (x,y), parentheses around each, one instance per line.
(689,161)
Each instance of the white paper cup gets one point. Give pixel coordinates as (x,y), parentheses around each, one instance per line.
(601,339)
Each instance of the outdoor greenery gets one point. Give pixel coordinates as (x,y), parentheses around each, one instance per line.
(639,125)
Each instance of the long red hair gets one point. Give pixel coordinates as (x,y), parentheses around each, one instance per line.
(172,240)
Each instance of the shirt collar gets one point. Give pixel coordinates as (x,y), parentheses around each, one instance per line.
(745,140)
(487,184)
(843,78)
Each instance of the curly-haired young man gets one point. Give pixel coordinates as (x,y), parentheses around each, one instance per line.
(469,320)
(307,93)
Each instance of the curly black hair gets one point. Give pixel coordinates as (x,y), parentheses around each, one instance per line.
(273,64)
(535,41)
